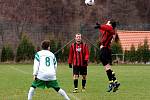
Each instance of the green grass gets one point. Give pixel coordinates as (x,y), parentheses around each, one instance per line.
(15,80)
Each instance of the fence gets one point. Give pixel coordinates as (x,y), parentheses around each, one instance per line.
(10,32)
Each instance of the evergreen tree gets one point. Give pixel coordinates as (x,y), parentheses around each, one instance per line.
(145,52)
(126,55)
(65,54)
(116,49)
(25,50)
(7,54)
(139,53)
(3,55)
(53,46)
(92,54)
(59,54)
(132,54)
(97,53)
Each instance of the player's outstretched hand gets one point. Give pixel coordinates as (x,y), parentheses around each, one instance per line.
(70,65)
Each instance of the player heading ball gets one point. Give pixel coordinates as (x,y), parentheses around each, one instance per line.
(107,33)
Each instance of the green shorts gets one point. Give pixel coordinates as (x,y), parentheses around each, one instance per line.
(42,84)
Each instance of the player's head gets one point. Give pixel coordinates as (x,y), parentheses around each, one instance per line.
(45,45)
(112,23)
(78,38)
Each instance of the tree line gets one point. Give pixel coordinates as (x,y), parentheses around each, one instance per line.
(26,50)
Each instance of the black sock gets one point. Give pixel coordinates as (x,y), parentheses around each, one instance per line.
(109,74)
(114,77)
(83,83)
(75,83)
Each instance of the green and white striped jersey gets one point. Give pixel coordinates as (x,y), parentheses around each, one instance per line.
(45,65)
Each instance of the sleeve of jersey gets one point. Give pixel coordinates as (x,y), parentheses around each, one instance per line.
(107,28)
(36,64)
(70,55)
(55,63)
(86,53)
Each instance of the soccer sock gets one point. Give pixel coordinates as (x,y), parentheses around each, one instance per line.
(31,93)
(63,93)
(83,83)
(75,83)
(113,77)
(109,74)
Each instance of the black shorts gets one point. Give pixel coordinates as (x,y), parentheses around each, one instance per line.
(105,56)
(79,70)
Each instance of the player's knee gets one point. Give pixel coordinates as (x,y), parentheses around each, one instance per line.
(75,76)
(84,77)
(57,89)
(33,86)
(104,63)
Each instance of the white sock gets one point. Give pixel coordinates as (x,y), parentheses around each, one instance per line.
(63,93)
(31,93)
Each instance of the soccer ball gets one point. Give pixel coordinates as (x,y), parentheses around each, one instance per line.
(89,2)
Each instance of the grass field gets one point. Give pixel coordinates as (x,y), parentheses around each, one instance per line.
(15,80)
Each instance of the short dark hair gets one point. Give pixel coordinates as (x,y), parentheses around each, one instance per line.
(113,23)
(45,44)
(77,34)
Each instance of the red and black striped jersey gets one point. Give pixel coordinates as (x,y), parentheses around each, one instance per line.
(107,33)
(78,54)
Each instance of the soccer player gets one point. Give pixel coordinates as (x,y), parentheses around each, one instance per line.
(44,71)
(78,57)
(107,33)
